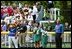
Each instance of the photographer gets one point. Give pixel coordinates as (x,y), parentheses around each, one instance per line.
(22,29)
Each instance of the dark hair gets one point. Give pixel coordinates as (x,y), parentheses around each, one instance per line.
(1,8)
(21,11)
(38,24)
(14,8)
(3,23)
(31,7)
(25,10)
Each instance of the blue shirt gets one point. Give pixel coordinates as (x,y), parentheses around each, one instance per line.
(12,31)
(4,27)
(59,28)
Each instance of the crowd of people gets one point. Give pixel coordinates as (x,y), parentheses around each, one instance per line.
(20,20)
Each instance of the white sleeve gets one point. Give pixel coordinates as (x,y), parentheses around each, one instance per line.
(21,18)
(46,33)
(42,30)
(34,29)
(30,10)
(37,31)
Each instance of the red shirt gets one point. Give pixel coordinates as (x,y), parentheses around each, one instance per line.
(10,10)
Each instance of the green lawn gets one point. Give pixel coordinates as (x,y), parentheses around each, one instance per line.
(49,46)
(63,46)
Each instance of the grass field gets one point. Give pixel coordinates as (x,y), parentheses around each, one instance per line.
(52,45)
(68,45)
(63,46)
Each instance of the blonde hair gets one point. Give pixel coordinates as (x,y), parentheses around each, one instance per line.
(14,25)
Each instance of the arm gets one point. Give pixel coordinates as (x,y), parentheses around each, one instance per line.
(62,28)
(34,30)
(17,33)
(43,32)
(5,27)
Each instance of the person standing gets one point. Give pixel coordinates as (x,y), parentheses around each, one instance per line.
(34,13)
(4,26)
(37,35)
(44,38)
(13,35)
(23,30)
(59,33)
(4,29)
(40,12)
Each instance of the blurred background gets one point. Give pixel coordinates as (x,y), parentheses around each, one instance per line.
(52,10)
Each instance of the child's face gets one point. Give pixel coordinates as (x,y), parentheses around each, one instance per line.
(11,26)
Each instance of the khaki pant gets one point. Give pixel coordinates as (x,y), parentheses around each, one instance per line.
(22,39)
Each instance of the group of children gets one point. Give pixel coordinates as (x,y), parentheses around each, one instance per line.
(40,36)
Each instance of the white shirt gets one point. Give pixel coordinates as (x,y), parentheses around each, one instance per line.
(29,18)
(16,14)
(30,10)
(20,5)
(34,10)
(7,20)
(28,27)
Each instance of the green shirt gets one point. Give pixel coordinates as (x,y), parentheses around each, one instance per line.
(37,35)
(44,40)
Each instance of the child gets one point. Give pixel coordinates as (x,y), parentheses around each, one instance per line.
(13,35)
(37,36)
(44,39)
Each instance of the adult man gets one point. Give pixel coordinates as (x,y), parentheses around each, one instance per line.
(22,29)
(59,31)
